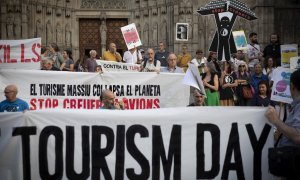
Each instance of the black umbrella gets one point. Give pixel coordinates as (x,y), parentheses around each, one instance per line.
(236,7)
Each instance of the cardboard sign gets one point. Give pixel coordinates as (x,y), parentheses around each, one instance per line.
(240,40)
(281,86)
(287,52)
(131,36)
(295,63)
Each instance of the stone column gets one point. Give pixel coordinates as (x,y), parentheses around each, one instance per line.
(24,20)
(3,21)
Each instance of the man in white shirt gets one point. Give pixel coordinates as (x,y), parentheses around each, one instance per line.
(151,64)
(133,56)
(253,51)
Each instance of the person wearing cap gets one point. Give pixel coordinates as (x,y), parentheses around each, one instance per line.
(162,55)
(172,65)
(198,98)
(199,60)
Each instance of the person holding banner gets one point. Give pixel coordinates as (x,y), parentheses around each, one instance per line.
(48,65)
(58,59)
(198,98)
(108,99)
(172,65)
(12,103)
(286,151)
(112,54)
(68,64)
(151,64)
(91,63)
(291,128)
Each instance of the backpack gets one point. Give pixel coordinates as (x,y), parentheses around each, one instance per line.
(145,62)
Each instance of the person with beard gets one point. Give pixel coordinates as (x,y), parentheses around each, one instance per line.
(198,98)
(273,49)
(108,99)
(253,51)
(151,64)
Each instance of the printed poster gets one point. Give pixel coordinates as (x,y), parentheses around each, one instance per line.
(131,36)
(281,86)
(295,63)
(182,30)
(240,40)
(287,52)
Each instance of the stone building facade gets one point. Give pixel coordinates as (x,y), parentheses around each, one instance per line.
(82,25)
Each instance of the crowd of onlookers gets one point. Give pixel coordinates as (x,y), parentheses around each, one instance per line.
(245,80)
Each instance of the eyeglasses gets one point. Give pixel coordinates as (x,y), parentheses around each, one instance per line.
(242,66)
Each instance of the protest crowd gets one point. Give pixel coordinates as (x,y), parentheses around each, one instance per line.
(245,80)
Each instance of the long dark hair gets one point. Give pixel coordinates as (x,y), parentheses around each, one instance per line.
(266,83)
(267,60)
(69,53)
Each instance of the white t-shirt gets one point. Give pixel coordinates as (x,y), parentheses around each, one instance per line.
(197,62)
(253,51)
(131,58)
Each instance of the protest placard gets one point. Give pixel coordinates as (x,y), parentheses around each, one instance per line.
(240,40)
(287,52)
(131,36)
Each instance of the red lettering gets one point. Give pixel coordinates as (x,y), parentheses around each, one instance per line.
(66,101)
(98,104)
(3,53)
(142,103)
(8,56)
(22,52)
(79,103)
(131,103)
(156,103)
(33,105)
(55,103)
(35,53)
(41,103)
(149,103)
(23,60)
(72,103)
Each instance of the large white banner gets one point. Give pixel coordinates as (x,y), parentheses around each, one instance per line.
(172,143)
(20,54)
(78,90)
